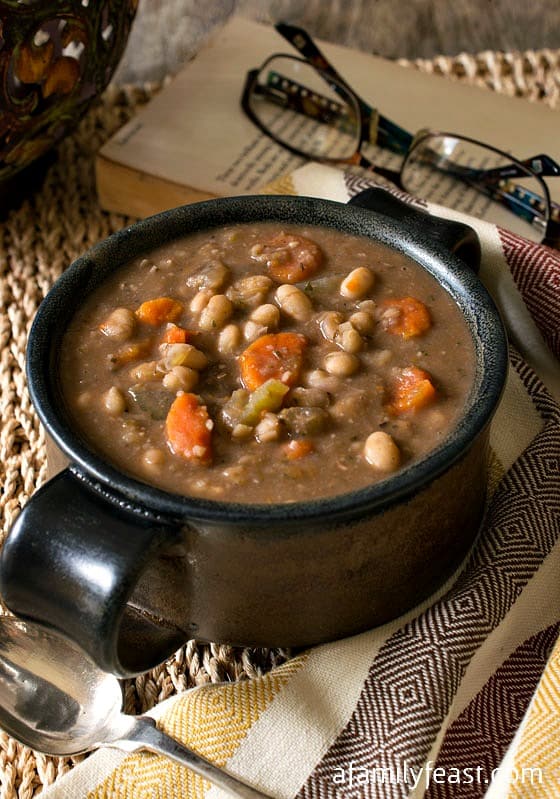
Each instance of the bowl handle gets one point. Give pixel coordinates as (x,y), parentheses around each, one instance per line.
(455,237)
(73,560)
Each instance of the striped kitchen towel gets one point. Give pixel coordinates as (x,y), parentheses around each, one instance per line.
(460,697)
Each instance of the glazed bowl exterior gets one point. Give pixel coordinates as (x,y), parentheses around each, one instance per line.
(130,572)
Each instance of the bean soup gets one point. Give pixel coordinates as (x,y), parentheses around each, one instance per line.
(264,363)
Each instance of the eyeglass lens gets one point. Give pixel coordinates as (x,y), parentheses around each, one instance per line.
(303,111)
(451,171)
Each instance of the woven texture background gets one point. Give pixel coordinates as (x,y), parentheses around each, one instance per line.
(55,225)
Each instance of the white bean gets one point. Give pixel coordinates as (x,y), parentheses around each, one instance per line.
(318,378)
(211,276)
(368,306)
(144,372)
(195,359)
(252,331)
(357,284)
(181,378)
(216,314)
(381,452)
(114,401)
(267,315)
(329,322)
(341,364)
(294,302)
(242,431)
(348,338)
(229,339)
(119,325)
(201,300)
(268,429)
(363,322)
(153,459)
(249,291)
(182,355)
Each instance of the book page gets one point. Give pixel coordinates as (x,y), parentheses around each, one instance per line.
(259,162)
(195,133)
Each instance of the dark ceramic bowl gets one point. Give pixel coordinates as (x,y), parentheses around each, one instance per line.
(130,572)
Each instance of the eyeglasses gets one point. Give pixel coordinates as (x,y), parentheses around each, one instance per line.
(304,105)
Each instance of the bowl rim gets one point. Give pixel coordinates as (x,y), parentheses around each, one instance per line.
(84,274)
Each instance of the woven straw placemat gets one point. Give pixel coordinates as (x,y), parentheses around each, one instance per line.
(53,226)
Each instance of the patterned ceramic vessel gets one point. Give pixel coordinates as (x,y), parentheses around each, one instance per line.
(55,58)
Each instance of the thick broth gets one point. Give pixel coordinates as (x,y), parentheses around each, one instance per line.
(171,392)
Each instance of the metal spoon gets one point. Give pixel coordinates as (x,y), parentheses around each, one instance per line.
(55,700)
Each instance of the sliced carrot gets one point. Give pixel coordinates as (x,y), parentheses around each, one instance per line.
(173,334)
(277,356)
(162,309)
(291,259)
(412,389)
(188,428)
(410,317)
(297,448)
(132,352)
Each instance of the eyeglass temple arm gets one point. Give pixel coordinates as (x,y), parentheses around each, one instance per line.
(388,134)
(305,45)
(520,200)
(526,199)
(296,97)
(542,165)
(523,204)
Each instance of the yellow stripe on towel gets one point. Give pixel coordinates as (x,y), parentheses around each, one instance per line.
(213,721)
(536,774)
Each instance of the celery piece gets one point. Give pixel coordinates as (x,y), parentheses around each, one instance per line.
(267,397)
(235,407)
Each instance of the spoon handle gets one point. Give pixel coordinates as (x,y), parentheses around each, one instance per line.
(143,734)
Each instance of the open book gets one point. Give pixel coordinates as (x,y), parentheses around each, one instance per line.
(192,141)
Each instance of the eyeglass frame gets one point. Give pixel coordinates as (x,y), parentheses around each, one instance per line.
(388,134)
